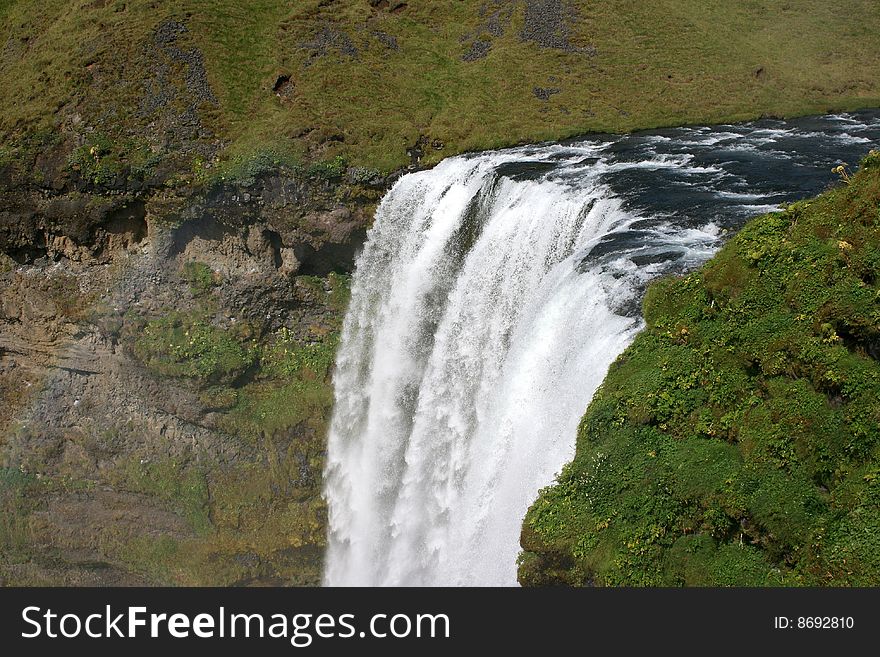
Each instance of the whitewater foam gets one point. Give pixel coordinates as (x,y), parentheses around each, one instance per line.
(479,328)
(491,296)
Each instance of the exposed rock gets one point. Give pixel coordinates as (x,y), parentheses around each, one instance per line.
(290,264)
(546,24)
(329,39)
(175,90)
(80,401)
(478,50)
(544,94)
(389,41)
(494,19)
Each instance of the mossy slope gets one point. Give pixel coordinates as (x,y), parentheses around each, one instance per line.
(737,441)
(140,505)
(367,80)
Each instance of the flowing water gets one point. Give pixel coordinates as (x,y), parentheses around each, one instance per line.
(492,294)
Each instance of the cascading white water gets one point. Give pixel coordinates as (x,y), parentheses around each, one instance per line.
(474,340)
(492,295)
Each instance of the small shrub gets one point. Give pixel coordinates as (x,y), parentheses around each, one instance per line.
(328,169)
(97,161)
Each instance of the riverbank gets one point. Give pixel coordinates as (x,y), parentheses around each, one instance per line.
(735,442)
(385,84)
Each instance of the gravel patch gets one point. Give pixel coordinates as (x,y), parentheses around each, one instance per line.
(328,39)
(546,23)
(542,93)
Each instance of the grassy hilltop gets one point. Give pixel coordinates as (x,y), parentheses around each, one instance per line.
(365,80)
(737,440)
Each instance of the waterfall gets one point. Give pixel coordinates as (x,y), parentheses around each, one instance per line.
(491,296)
(474,340)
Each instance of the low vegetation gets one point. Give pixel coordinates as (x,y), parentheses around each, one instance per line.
(737,441)
(189,345)
(262,520)
(379,84)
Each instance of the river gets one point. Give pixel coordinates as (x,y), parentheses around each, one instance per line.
(492,294)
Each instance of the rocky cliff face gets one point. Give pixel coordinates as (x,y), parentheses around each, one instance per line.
(168,320)
(165,356)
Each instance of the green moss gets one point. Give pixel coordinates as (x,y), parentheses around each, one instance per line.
(181,488)
(335,290)
(16,505)
(340,291)
(200,276)
(294,387)
(153,557)
(736,441)
(188,345)
(315,284)
(271,408)
(219,398)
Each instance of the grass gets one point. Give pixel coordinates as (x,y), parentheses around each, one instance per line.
(737,440)
(189,345)
(380,80)
(258,519)
(15,502)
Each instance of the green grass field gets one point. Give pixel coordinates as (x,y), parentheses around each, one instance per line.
(367,82)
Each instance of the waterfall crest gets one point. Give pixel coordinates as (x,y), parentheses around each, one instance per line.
(475,338)
(491,296)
